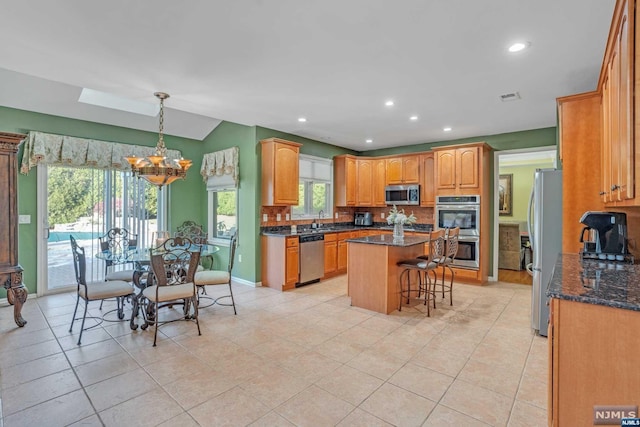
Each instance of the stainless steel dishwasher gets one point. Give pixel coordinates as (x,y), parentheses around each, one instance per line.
(311,258)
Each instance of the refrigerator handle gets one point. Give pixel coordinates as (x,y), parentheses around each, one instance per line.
(530,216)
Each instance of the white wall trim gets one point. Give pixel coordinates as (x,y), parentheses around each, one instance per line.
(240,281)
(496,216)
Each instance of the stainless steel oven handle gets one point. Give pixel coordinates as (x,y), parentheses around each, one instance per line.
(458,207)
(462,238)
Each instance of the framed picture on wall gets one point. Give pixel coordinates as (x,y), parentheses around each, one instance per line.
(505,194)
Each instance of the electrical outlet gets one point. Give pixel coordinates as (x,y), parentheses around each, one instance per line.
(382,215)
(278,217)
(239,257)
(336,215)
(265,217)
(24,219)
(287,217)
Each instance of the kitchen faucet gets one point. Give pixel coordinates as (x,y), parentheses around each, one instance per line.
(321,214)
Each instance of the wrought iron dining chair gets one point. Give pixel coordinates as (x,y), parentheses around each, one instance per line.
(95,291)
(173,266)
(422,266)
(195,232)
(118,243)
(220,277)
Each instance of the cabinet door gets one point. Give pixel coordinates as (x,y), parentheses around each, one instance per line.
(614,122)
(292,261)
(364,186)
(285,175)
(606,140)
(342,256)
(445,162)
(344,180)
(394,171)
(427,192)
(410,170)
(330,257)
(379,182)
(351,181)
(467,168)
(626,171)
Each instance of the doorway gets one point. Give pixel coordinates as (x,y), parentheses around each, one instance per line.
(513,180)
(86,203)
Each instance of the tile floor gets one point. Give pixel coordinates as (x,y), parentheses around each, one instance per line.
(296,358)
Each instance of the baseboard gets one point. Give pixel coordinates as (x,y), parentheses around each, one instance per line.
(246,282)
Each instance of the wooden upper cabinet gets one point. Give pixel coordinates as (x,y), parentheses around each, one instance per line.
(364,182)
(379,182)
(344,180)
(280,174)
(427,191)
(403,170)
(458,169)
(617,90)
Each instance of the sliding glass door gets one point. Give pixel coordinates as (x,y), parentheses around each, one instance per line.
(86,203)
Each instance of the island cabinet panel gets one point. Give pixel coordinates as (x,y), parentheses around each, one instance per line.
(594,358)
(280,262)
(344,180)
(280,172)
(364,182)
(379,182)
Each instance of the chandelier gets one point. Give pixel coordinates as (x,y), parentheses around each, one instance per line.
(155,169)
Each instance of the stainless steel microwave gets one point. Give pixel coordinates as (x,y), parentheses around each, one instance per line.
(402,194)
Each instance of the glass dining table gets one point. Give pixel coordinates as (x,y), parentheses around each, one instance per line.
(141,259)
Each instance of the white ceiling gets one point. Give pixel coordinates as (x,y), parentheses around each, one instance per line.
(335,62)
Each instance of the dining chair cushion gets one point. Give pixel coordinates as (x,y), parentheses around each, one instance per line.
(169,293)
(199,268)
(429,266)
(126,275)
(211,277)
(102,290)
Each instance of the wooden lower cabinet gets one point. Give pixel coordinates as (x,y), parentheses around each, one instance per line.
(330,254)
(342,251)
(592,360)
(280,262)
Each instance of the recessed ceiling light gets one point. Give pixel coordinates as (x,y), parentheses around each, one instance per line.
(517,47)
(389,103)
(413,118)
(109,100)
(369,141)
(302,119)
(447,129)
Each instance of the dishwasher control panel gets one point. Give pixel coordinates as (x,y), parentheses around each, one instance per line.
(311,238)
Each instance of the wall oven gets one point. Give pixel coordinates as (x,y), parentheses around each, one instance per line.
(463,212)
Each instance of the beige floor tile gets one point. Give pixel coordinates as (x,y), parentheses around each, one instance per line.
(349,384)
(512,359)
(315,407)
(360,418)
(398,406)
(102,369)
(149,409)
(176,367)
(380,324)
(182,420)
(526,415)
(275,386)
(232,408)
(399,347)
(194,389)
(376,364)
(272,419)
(63,410)
(361,335)
(310,365)
(440,360)
(442,416)
(278,349)
(499,378)
(340,350)
(478,402)
(92,421)
(422,381)
(310,336)
(29,371)
(91,352)
(23,354)
(533,389)
(39,390)
(118,389)
(21,337)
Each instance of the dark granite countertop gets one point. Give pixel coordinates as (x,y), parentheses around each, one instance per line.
(285,230)
(596,282)
(388,240)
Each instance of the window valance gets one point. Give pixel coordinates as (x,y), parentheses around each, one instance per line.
(221,167)
(64,150)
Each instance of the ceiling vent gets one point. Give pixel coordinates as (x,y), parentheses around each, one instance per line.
(513,96)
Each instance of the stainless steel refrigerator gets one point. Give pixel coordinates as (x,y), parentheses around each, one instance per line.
(545,235)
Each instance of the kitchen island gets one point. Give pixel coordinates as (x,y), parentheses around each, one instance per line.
(372,273)
(594,350)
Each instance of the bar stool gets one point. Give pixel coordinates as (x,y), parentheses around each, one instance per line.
(422,266)
(447,260)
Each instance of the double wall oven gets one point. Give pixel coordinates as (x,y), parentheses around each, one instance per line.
(463,212)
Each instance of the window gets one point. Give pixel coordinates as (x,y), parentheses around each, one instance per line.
(315,194)
(223,214)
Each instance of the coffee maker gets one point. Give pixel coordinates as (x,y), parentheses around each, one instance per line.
(605,236)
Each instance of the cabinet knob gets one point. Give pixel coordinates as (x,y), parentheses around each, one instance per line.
(615,187)
(602,193)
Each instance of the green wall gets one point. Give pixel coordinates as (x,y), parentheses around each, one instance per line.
(188,198)
(522,183)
